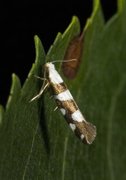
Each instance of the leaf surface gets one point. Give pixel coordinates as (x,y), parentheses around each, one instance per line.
(35,140)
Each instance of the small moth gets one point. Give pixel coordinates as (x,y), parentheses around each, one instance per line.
(84,130)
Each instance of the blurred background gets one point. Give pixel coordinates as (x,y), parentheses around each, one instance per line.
(21,20)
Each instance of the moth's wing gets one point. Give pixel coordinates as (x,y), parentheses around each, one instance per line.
(85,131)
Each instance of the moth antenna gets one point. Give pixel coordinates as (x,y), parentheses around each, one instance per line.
(63,60)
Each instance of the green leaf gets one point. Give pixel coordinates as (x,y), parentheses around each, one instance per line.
(35,140)
(20,126)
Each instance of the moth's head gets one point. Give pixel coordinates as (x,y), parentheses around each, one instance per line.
(49,65)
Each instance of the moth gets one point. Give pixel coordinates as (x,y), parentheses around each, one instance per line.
(84,130)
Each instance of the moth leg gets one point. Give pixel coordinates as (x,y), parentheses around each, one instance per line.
(43,79)
(56,108)
(41,91)
(51,97)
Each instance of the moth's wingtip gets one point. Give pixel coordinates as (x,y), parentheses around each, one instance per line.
(92,133)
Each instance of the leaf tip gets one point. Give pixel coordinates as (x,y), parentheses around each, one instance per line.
(75,20)
(40,53)
(15,81)
(74,26)
(96,6)
(121,6)
(15,88)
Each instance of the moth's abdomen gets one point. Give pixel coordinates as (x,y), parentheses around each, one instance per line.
(84,130)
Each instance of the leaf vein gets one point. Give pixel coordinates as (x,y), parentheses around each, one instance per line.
(30,153)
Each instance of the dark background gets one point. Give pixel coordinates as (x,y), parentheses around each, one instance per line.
(21,20)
